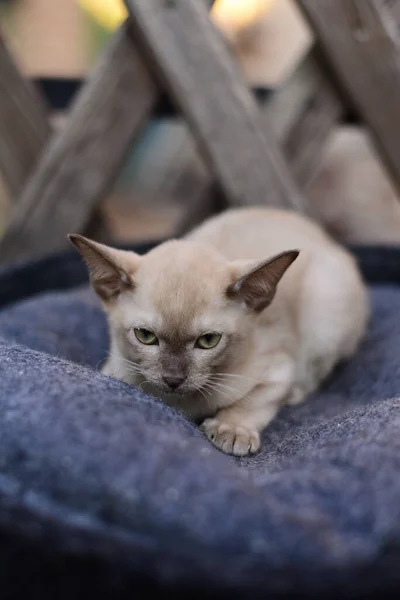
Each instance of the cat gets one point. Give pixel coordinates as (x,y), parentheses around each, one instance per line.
(250,311)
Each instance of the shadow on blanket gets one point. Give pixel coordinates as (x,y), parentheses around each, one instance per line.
(106,491)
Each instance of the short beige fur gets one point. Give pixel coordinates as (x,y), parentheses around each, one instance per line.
(287,302)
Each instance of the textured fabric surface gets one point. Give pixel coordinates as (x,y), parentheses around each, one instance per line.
(105,489)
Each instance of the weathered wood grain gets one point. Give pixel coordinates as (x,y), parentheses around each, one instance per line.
(303,143)
(359,39)
(194,63)
(302,112)
(24,129)
(287,101)
(393,6)
(80,164)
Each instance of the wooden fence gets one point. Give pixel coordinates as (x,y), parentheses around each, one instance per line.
(255,153)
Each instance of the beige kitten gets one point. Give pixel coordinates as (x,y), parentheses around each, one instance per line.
(203,324)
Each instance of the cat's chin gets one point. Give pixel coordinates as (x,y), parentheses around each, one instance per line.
(170,396)
(176,394)
(166,393)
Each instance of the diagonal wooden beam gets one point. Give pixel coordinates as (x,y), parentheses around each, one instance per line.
(393,7)
(195,65)
(80,164)
(321,109)
(302,111)
(360,41)
(24,129)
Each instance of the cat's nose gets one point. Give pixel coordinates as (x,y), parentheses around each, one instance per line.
(173,381)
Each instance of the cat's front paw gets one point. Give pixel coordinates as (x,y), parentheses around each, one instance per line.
(231,439)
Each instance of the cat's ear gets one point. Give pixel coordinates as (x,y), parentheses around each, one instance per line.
(255,284)
(110,270)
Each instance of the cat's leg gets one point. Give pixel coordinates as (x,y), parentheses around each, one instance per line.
(236,429)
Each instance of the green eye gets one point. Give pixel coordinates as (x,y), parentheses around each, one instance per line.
(208,341)
(146,337)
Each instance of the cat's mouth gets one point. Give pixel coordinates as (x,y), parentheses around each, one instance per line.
(158,389)
(169,392)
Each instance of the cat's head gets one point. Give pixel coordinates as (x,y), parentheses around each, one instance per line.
(181,313)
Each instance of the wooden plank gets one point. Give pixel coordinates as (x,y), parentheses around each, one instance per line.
(194,63)
(81,163)
(187,182)
(24,131)
(303,112)
(24,128)
(358,38)
(287,101)
(303,146)
(316,116)
(394,7)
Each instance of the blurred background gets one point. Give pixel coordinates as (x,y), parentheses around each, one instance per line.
(350,193)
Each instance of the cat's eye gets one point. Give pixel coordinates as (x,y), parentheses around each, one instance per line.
(144,336)
(208,341)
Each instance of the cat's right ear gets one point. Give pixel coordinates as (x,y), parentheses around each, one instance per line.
(110,270)
(255,283)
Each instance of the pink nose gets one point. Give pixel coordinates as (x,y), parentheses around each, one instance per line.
(173,381)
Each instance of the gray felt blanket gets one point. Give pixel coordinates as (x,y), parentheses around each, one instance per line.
(105,489)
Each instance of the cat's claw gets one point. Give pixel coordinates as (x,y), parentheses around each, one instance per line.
(231,439)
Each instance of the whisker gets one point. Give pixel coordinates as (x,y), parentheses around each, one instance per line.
(129,365)
(226,387)
(202,392)
(238,376)
(140,386)
(123,359)
(219,382)
(130,369)
(221,389)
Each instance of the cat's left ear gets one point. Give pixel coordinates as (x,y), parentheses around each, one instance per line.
(110,270)
(256,286)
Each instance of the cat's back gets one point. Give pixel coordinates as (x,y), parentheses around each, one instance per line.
(259,232)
